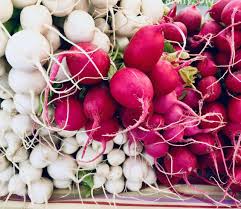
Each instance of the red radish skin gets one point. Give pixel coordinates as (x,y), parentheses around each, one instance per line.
(99,105)
(210,88)
(207,66)
(172,33)
(82,69)
(237,60)
(167,180)
(222,58)
(233,82)
(230,153)
(228,13)
(174,114)
(231,130)
(210,27)
(191,98)
(163,103)
(234,109)
(164,78)
(235,185)
(224,39)
(174,134)
(214,121)
(69,114)
(199,148)
(180,161)
(145,136)
(145,48)
(217,8)
(155,121)
(191,17)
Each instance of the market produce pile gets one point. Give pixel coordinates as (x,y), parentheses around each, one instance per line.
(115,96)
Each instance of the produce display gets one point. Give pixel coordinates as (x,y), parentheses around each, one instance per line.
(120,95)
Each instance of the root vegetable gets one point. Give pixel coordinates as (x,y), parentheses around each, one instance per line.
(133,148)
(21,4)
(98,146)
(82,137)
(101,40)
(3,42)
(99,181)
(5,89)
(69,145)
(115,186)
(67,134)
(53,39)
(133,186)
(4,163)
(131,7)
(6,174)
(115,173)
(6,10)
(116,157)
(22,125)
(8,106)
(103,169)
(17,186)
(5,121)
(120,138)
(62,184)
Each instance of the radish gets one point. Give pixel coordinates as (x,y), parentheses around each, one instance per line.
(155,121)
(22,125)
(35,17)
(135,169)
(180,167)
(191,98)
(174,114)
(24,104)
(6,174)
(66,134)
(90,160)
(146,57)
(63,168)
(210,88)
(216,10)
(62,184)
(132,83)
(26,82)
(169,29)
(4,163)
(99,181)
(69,114)
(191,17)
(40,191)
(237,60)
(85,71)
(231,130)
(3,41)
(5,88)
(59,8)
(210,27)
(53,38)
(203,144)
(102,25)
(82,137)
(101,40)
(162,83)
(128,25)
(233,109)
(231,11)
(162,103)
(19,156)
(131,7)
(167,180)
(17,186)
(103,169)
(115,173)
(84,26)
(42,155)
(217,119)
(174,134)
(98,147)
(149,159)
(133,148)
(233,82)
(122,42)
(6,10)
(36,50)
(21,4)
(116,157)
(207,66)
(120,138)
(8,106)
(14,142)
(151,176)
(69,145)
(3,189)
(153,9)
(28,173)
(133,186)
(6,121)
(102,4)
(115,186)
(82,5)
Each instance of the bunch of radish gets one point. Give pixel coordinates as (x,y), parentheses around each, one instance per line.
(118,95)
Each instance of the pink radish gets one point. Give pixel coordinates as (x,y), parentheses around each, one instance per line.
(144,136)
(131,83)
(174,114)
(203,145)
(164,78)
(191,17)
(232,11)
(210,88)
(207,67)
(167,180)
(210,27)
(217,8)
(231,130)
(146,56)
(191,98)
(216,120)
(235,184)
(69,114)
(174,134)
(233,82)
(163,103)
(155,121)
(234,109)
(237,60)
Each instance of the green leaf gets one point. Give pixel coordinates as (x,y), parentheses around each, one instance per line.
(112,71)
(85,191)
(168,47)
(88,179)
(188,75)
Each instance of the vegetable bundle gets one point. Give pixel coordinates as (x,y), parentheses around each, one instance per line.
(114,95)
